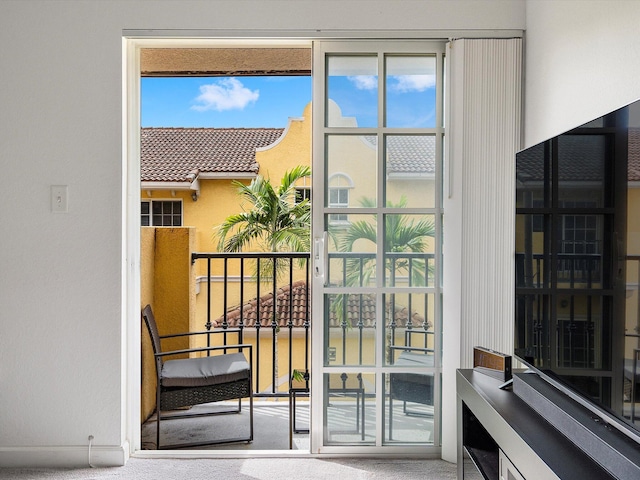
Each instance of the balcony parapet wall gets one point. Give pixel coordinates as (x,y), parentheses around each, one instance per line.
(168,285)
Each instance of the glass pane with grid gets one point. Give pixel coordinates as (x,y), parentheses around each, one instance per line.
(410,169)
(381,144)
(410,94)
(350,417)
(352,88)
(161,213)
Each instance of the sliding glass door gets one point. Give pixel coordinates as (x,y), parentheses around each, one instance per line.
(378,138)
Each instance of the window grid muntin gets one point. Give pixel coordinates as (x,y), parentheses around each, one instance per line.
(380,131)
(161,213)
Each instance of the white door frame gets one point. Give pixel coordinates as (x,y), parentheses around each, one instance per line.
(379,48)
(132,42)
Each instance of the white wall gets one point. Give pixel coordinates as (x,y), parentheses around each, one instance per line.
(61,123)
(60,104)
(582,61)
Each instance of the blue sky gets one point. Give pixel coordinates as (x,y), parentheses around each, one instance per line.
(410,99)
(271,101)
(223,101)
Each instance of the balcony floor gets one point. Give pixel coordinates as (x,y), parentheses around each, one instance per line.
(271,426)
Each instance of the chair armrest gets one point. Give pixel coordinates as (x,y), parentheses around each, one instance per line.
(411,349)
(421,352)
(203,332)
(240,346)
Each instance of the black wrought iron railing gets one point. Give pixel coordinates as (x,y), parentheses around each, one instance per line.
(579,321)
(357,268)
(265,297)
(571,269)
(407,317)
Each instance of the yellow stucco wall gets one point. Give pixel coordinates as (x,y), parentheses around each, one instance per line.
(633,221)
(174,292)
(166,289)
(292,149)
(218,198)
(633,268)
(147,281)
(168,285)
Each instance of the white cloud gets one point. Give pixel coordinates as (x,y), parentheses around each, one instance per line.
(226,94)
(414,83)
(364,82)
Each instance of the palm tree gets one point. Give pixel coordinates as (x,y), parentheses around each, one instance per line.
(402,235)
(274,220)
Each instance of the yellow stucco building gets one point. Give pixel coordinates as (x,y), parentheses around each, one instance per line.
(186,181)
(186,191)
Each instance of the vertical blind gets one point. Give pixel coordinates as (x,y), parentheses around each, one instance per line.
(492,97)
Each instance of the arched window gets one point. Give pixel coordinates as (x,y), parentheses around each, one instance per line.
(339,186)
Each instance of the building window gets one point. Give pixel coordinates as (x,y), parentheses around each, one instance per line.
(537,220)
(302,194)
(338,198)
(161,213)
(580,233)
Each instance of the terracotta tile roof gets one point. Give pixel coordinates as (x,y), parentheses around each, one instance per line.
(178,154)
(364,303)
(409,154)
(250,310)
(633,167)
(580,159)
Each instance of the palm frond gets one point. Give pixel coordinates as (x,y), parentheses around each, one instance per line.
(270,217)
(290,177)
(360,230)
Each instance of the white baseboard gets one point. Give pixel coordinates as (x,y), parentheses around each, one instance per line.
(64,457)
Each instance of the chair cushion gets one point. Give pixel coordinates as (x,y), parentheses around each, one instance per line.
(203,371)
(412,387)
(413,359)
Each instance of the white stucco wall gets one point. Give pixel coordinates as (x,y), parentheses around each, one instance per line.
(582,61)
(62,371)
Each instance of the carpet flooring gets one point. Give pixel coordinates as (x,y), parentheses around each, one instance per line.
(249,469)
(271,433)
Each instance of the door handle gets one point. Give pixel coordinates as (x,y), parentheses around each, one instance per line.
(320,257)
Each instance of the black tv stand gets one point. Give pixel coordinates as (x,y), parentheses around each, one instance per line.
(501,437)
(506,385)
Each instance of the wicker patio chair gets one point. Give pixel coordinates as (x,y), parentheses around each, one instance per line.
(411,387)
(186,382)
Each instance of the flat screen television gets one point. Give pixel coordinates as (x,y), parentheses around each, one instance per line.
(577,243)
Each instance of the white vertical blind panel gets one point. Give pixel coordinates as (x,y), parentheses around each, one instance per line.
(492,135)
